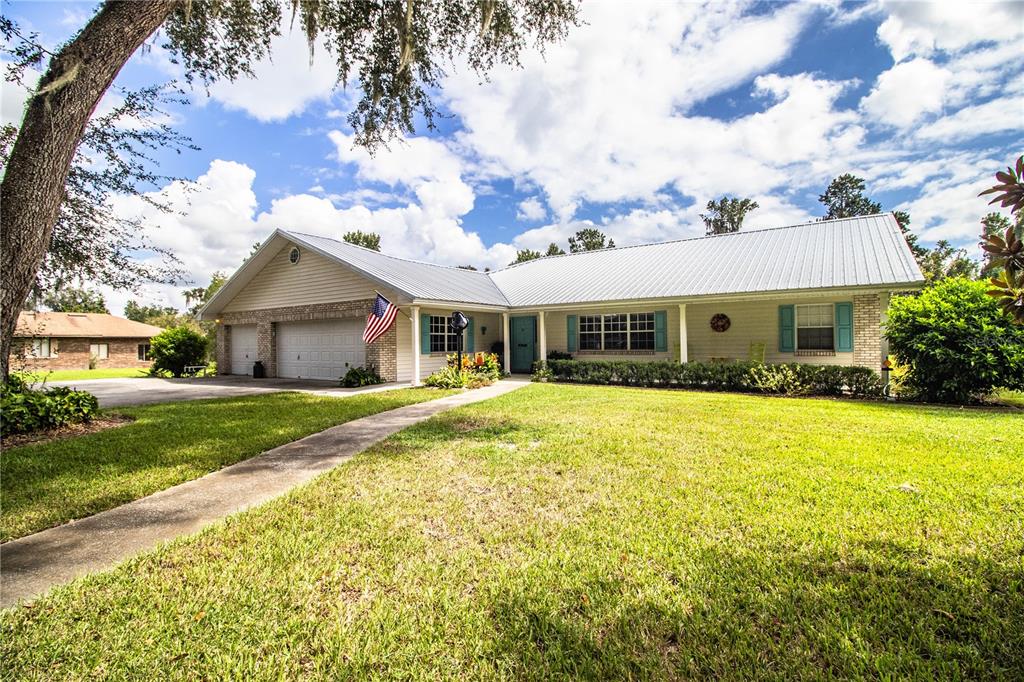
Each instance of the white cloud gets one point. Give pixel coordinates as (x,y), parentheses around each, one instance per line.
(921,28)
(285,83)
(531,209)
(906,92)
(998,115)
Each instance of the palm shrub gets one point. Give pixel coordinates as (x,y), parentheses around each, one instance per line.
(956,342)
(175,349)
(356,377)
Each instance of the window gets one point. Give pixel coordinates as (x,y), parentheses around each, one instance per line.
(143,351)
(41,348)
(293,255)
(619,331)
(814,327)
(442,338)
(590,332)
(98,350)
(641,331)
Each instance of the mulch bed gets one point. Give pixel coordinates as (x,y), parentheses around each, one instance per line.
(110,421)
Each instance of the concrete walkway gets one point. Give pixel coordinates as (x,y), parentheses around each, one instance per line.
(31,565)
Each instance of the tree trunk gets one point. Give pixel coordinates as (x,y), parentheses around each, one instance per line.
(55,118)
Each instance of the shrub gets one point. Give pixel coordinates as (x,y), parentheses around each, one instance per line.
(559,355)
(361,376)
(451,377)
(792,379)
(956,342)
(175,349)
(25,409)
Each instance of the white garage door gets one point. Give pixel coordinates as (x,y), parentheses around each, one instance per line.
(243,348)
(319,350)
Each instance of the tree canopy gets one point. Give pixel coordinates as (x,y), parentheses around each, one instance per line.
(525,255)
(367,240)
(75,300)
(589,239)
(554,250)
(726,214)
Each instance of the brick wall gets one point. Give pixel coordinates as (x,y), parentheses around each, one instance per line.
(382,353)
(74,354)
(867,331)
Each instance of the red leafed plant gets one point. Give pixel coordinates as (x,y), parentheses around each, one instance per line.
(1007,251)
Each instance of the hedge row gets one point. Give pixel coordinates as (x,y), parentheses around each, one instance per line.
(788,379)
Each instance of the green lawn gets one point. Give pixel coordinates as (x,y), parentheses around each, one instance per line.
(81,374)
(47,484)
(590,532)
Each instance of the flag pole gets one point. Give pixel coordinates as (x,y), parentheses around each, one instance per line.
(389,300)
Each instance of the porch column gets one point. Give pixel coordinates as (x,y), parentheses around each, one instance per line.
(414,312)
(684,355)
(543,333)
(508,343)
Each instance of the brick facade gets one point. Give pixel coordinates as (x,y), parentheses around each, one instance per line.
(382,353)
(73,353)
(867,331)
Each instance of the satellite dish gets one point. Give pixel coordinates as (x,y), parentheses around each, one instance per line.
(458,321)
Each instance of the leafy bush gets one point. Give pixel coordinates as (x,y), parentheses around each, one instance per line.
(792,379)
(451,377)
(478,369)
(172,350)
(956,342)
(24,409)
(559,355)
(361,376)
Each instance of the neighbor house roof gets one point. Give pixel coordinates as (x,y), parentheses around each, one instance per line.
(91,325)
(866,251)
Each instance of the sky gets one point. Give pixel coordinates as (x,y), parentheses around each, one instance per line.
(646,111)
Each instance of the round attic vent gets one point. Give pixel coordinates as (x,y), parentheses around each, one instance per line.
(293,255)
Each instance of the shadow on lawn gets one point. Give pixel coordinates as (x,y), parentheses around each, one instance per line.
(755,617)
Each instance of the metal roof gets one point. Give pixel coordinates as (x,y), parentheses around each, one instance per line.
(848,252)
(416,279)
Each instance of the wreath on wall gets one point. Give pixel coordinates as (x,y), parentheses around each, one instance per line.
(720,322)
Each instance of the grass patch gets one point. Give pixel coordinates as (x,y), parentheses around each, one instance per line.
(83,374)
(50,483)
(590,532)
(1005,396)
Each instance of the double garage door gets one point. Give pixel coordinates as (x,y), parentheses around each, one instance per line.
(319,350)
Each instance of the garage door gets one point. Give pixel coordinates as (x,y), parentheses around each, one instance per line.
(319,350)
(243,348)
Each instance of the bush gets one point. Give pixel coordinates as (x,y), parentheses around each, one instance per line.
(175,349)
(24,409)
(361,376)
(956,342)
(792,379)
(478,369)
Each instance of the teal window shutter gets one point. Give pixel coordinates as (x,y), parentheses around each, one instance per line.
(570,323)
(425,334)
(844,327)
(660,331)
(470,345)
(787,328)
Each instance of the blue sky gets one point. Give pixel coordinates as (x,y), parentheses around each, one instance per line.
(633,124)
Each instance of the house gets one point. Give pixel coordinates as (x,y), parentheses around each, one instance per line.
(814,293)
(81,341)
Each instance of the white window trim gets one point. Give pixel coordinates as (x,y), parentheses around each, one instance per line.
(51,350)
(145,354)
(627,331)
(451,342)
(796,326)
(105,346)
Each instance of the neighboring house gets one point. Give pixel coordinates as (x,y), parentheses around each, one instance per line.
(74,340)
(814,293)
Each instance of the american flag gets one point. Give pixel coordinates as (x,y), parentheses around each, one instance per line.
(380,319)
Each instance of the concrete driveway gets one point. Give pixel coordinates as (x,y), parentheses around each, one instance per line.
(146,391)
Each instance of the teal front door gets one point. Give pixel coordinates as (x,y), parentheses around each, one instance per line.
(523,341)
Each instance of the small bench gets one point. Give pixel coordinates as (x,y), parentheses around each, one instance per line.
(196,370)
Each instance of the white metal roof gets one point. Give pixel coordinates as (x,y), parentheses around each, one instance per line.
(848,252)
(866,251)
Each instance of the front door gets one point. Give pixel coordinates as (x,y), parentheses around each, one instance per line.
(523,341)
